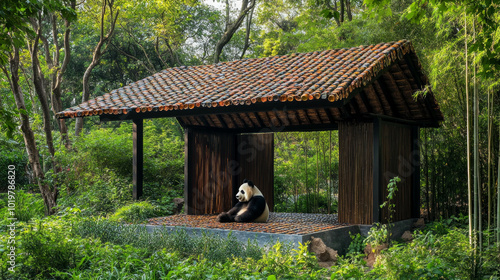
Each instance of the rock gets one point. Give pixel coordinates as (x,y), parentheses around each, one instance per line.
(419,223)
(372,254)
(326,256)
(178,204)
(407,236)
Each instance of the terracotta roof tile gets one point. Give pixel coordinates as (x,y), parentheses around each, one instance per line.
(299,77)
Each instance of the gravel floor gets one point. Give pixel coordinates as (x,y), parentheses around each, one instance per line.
(285,223)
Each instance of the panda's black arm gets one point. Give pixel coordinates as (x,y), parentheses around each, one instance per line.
(256,206)
(235,209)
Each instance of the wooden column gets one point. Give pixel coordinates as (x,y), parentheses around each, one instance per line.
(138,158)
(415,160)
(376,170)
(356,162)
(210,169)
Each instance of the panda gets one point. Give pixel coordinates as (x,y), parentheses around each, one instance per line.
(252,206)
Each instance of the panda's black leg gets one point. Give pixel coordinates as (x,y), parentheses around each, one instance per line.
(245,217)
(225,218)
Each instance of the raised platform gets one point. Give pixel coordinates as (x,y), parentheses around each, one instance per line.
(285,227)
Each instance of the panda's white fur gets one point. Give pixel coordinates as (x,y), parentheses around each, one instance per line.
(251,207)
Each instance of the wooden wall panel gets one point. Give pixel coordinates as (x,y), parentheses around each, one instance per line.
(356,173)
(396,145)
(210,168)
(255,154)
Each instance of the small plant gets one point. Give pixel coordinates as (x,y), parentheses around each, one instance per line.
(135,213)
(357,244)
(392,188)
(377,236)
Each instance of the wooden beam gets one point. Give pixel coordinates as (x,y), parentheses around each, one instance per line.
(382,89)
(421,85)
(222,122)
(138,158)
(328,113)
(397,94)
(318,127)
(257,107)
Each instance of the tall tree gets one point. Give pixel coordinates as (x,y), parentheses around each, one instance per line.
(27,22)
(100,48)
(232,26)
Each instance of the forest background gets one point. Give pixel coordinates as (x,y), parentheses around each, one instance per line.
(55,54)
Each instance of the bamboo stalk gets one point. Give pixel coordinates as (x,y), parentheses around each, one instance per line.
(498,189)
(476,152)
(490,134)
(469,186)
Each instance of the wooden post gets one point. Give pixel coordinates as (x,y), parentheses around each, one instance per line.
(415,160)
(376,170)
(138,158)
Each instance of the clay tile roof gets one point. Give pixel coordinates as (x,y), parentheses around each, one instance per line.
(300,77)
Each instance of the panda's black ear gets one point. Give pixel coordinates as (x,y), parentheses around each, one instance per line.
(250,183)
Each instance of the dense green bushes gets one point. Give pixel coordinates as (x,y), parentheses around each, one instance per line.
(97,172)
(71,246)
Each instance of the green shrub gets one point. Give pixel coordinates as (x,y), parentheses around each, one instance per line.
(357,245)
(301,206)
(47,249)
(209,246)
(17,157)
(135,213)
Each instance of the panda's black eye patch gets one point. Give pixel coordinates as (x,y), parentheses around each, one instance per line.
(242,191)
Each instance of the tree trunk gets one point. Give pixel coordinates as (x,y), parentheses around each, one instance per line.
(247,35)
(348,9)
(42,95)
(342,11)
(48,196)
(97,54)
(231,28)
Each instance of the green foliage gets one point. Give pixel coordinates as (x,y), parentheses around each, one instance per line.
(207,245)
(47,249)
(305,179)
(377,235)
(136,212)
(357,245)
(105,185)
(12,155)
(27,206)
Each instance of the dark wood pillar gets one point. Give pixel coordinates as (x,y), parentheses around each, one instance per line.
(210,169)
(356,202)
(376,170)
(415,160)
(138,158)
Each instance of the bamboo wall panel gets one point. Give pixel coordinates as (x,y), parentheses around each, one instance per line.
(209,171)
(255,154)
(356,173)
(396,160)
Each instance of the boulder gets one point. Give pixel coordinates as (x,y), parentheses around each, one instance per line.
(178,205)
(325,255)
(419,223)
(407,236)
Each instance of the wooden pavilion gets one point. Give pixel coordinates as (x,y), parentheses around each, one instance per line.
(376,96)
